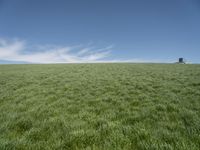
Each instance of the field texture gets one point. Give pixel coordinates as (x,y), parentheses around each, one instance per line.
(100,106)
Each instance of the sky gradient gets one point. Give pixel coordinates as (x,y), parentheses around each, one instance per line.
(57,31)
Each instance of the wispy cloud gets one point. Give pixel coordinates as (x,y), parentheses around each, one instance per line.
(18,50)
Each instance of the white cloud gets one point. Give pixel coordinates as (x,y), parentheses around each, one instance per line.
(18,50)
(83,51)
(10,49)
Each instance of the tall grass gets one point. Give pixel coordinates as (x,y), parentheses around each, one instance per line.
(100,106)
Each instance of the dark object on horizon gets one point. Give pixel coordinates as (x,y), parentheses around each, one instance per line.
(181,60)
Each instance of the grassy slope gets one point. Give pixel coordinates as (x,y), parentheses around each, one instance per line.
(100,106)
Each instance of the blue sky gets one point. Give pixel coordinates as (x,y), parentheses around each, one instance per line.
(57,31)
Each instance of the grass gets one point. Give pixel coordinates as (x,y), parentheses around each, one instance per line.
(100,106)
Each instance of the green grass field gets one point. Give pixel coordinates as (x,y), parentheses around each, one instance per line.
(100,106)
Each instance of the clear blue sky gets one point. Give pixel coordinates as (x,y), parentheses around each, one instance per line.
(143,30)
